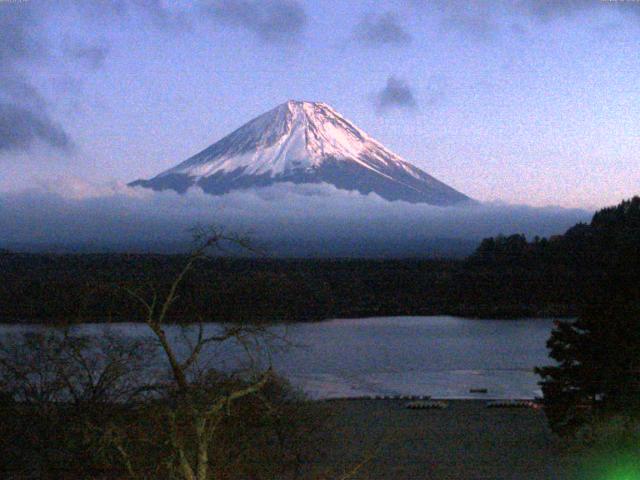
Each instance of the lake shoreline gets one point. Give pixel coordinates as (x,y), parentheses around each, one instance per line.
(441,357)
(310,320)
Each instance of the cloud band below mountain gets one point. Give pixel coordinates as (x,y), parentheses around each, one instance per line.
(288,220)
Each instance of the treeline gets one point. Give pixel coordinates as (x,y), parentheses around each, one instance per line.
(93,288)
(604,251)
(591,390)
(505,277)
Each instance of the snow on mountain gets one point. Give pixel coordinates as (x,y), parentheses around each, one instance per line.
(304,142)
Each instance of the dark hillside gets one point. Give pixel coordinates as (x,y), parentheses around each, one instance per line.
(507,276)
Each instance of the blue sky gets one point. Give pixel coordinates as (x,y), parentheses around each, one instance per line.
(528,102)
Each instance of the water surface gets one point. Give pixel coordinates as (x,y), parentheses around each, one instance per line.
(440,356)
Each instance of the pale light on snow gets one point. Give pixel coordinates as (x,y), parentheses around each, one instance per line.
(304,142)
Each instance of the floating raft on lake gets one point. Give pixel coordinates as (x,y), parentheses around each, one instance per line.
(426,405)
(404,397)
(379,397)
(512,404)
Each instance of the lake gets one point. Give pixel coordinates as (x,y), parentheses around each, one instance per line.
(440,356)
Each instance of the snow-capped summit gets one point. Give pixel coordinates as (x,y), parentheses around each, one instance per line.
(304,142)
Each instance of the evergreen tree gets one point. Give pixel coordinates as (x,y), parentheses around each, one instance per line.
(598,370)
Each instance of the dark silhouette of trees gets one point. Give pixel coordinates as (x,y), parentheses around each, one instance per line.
(57,387)
(503,248)
(80,405)
(598,355)
(598,371)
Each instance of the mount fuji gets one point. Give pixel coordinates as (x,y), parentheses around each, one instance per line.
(304,142)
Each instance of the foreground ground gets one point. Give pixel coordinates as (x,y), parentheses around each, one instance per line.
(466,440)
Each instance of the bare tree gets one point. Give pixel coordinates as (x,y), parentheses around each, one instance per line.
(59,386)
(98,409)
(199,402)
(64,365)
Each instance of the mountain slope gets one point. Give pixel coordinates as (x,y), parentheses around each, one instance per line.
(304,142)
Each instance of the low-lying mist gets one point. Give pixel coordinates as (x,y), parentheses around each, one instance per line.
(284,220)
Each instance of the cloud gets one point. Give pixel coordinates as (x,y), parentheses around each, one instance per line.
(24,119)
(479,24)
(20,127)
(93,56)
(19,43)
(549,9)
(479,19)
(16,41)
(152,12)
(486,20)
(396,94)
(270,20)
(16,86)
(26,41)
(384,29)
(286,219)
